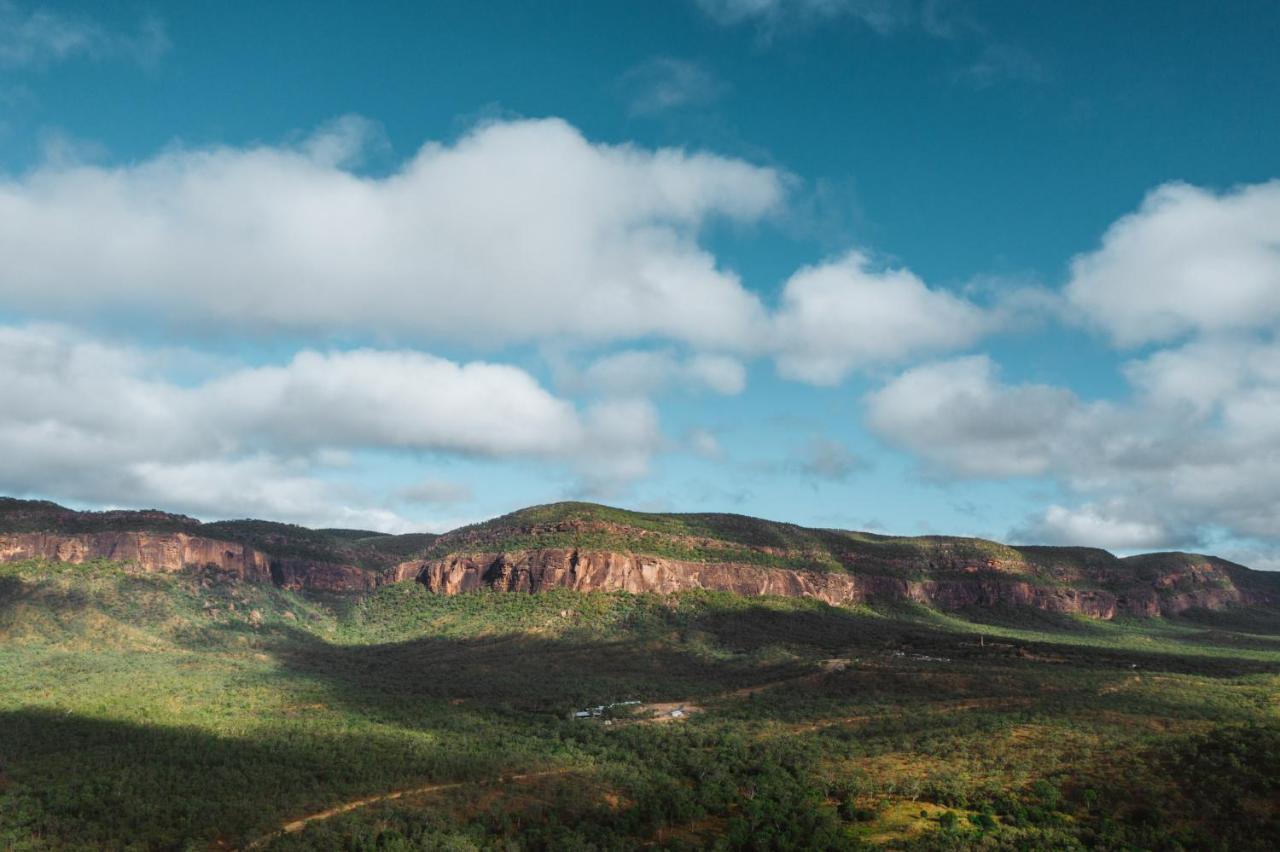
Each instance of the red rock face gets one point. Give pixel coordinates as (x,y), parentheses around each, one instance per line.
(532,571)
(161,553)
(604,571)
(957,587)
(169,553)
(322,576)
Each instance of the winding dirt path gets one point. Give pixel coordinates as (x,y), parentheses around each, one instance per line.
(356,804)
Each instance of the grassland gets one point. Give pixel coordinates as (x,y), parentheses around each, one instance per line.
(172,712)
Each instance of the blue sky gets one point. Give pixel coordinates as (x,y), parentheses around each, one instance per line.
(971,267)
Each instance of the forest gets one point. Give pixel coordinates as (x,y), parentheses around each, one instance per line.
(190,711)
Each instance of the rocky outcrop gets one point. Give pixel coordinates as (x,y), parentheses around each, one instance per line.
(322,576)
(171,552)
(947,586)
(163,553)
(536,570)
(1151,603)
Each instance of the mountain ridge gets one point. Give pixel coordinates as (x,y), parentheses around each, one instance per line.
(590,547)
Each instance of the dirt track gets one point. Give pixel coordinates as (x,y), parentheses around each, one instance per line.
(355,804)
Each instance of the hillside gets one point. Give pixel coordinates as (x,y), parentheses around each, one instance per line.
(192,710)
(286,554)
(588,547)
(581,544)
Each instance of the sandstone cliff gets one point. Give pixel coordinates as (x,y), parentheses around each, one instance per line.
(171,552)
(152,552)
(536,570)
(595,548)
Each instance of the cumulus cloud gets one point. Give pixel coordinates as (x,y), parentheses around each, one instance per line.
(624,434)
(1092,526)
(518,231)
(1194,452)
(640,372)
(400,399)
(665,83)
(839,316)
(40,36)
(959,417)
(1188,260)
(1169,465)
(93,421)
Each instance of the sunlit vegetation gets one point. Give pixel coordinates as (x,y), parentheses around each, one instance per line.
(711,538)
(169,712)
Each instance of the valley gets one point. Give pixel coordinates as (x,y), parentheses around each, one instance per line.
(212,708)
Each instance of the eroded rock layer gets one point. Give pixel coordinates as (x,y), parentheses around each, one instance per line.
(590,548)
(536,570)
(171,552)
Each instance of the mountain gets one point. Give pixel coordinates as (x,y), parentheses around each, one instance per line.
(150,701)
(588,547)
(287,555)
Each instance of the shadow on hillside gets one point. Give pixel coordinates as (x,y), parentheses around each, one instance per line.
(1263,620)
(712,654)
(516,673)
(77,782)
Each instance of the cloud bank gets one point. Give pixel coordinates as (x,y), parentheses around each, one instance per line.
(518,232)
(97,423)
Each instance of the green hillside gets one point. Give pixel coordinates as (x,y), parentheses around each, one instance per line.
(742,539)
(187,712)
(717,537)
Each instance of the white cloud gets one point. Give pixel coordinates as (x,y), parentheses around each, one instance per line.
(40,36)
(1171,464)
(958,417)
(1260,558)
(258,486)
(824,458)
(437,491)
(665,83)
(400,399)
(998,62)
(839,316)
(645,372)
(1188,260)
(704,443)
(96,424)
(624,434)
(519,231)
(883,16)
(719,373)
(1092,526)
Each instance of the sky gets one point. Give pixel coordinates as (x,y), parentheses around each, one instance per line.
(999,269)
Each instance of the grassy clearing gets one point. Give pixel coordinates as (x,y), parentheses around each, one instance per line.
(161,712)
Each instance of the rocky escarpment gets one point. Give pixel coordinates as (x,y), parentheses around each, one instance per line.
(171,552)
(150,552)
(595,548)
(585,570)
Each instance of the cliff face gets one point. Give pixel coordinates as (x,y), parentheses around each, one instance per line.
(151,552)
(322,576)
(171,552)
(593,548)
(536,570)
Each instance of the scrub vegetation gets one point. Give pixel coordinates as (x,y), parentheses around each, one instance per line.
(191,711)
